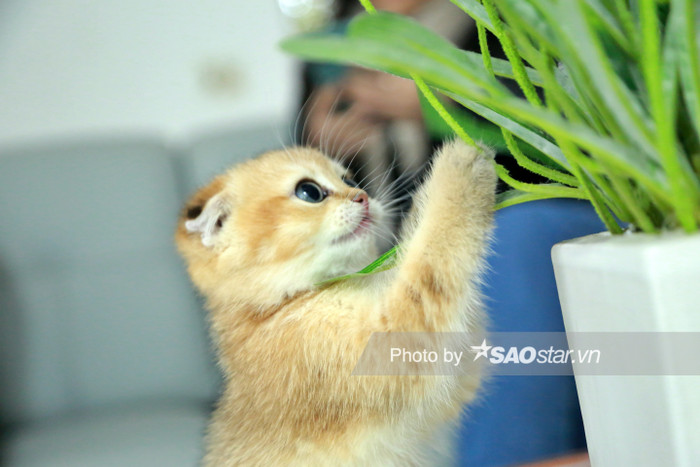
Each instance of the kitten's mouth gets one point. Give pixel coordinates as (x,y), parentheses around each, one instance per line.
(362,228)
(364,225)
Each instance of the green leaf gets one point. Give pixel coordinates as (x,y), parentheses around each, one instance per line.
(689,51)
(531,137)
(392,58)
(607,20)
(624,15)
(474,9)
(513,197)
(586,51)
(477,128)
(574,43)
(445,114)
(592,193)
(624,158)
(622,145)
(504,69)
(410,37)
(563,78)
(383,263)
(661,76)
(523,15)
(401,59)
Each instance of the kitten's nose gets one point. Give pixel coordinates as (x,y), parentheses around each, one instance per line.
(362,198)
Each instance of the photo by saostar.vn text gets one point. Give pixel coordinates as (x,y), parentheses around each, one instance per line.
(537,353)
(497,354)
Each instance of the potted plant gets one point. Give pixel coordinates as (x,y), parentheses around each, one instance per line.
(608,111)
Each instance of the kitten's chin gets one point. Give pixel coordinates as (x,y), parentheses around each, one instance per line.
(353,250)
(346,257)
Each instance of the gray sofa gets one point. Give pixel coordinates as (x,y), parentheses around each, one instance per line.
(104,354)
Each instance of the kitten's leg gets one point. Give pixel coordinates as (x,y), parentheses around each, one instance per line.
(444,242)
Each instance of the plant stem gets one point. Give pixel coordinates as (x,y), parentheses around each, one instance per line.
(627,22)
(508,137)
(639,217)
(532,166)
(367,5)
(663,109)
(691,72)
(484,47)
(551,189)
(611,198)
(591,193)
(441,110)
(512,54)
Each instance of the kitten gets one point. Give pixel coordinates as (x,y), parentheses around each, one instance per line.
(259,238)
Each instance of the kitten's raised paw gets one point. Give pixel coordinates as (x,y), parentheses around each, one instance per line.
(457,158)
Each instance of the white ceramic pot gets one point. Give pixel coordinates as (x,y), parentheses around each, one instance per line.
(635,283)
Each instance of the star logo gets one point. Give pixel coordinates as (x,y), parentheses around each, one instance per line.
(481,350)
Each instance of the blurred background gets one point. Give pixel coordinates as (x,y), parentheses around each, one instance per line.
(111,114)
(170,68)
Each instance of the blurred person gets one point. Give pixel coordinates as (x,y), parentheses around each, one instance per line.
(373,120)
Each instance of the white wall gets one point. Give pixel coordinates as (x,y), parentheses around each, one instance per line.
(173,67)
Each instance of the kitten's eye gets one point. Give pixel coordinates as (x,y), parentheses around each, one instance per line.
(351,183)
(310,192)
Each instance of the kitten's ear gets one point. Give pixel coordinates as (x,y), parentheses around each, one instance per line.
(208,220)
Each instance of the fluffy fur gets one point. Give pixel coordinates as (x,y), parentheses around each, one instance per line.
(287,347)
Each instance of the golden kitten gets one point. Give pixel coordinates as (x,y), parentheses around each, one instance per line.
(258,239)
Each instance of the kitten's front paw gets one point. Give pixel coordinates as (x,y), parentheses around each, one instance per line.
(474,165)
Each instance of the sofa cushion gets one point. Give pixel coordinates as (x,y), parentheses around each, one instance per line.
(96,306)
(140,436)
